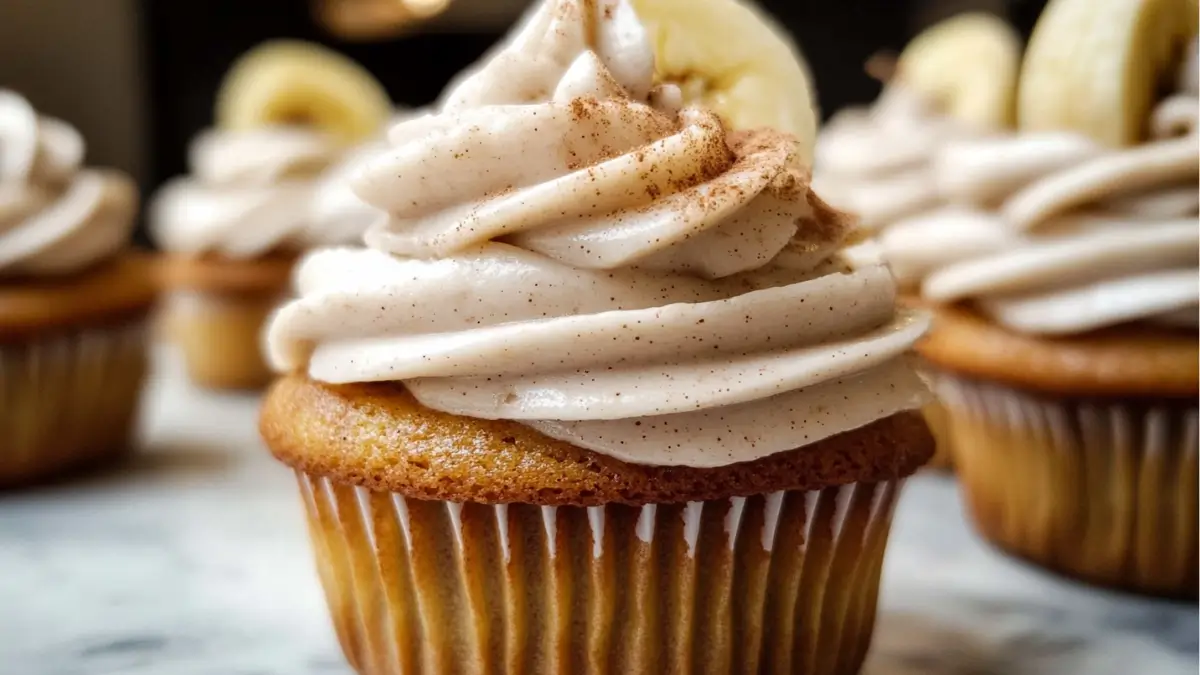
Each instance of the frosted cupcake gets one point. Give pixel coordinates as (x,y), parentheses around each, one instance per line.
(955,81)
(256,198)
(73,300)
(1066,343)
(601,393)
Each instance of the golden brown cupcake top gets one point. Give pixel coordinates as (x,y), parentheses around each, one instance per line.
(114,291)
(1132,360)
(376,435)
(267,275)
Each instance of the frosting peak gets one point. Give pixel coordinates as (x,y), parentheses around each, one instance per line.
(55,218)
(528,66)
(567,248)
(875,163)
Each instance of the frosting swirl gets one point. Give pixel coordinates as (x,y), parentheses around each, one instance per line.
(875,162)
(337,215)
(251,193)
(1050,233)
(55,218)
(566,248)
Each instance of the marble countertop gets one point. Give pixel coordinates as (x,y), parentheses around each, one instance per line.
(193,560)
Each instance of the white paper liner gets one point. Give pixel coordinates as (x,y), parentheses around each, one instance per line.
(68,400)
(1100,489)
(783,583)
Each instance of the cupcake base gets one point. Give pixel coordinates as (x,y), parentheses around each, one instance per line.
(939,425)
(449,544)
(1100,489)
(216,311)
(220,337)
(68,401)
(933,412)
(778,583)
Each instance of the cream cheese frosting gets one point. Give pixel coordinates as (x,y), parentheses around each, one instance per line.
(876,162)
(55,217)
(252,192)
(1052,234)
(336,214)
(566,247)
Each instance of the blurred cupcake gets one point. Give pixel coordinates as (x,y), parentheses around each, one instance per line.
(73,300)
(601,394)
(255,199)
(954,81)
(1066,276)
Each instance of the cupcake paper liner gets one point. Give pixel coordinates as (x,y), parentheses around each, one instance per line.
(69,400)
(939,425)
(221,337)
(1104,490)
(779,583)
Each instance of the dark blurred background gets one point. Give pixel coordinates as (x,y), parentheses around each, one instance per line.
(138,77)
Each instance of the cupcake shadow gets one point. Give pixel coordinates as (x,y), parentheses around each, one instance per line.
(142,463)
(178,457)
(907,644)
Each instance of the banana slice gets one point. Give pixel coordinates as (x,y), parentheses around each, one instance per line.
(967,65)
(1097,66)
(293,82)
(729,56)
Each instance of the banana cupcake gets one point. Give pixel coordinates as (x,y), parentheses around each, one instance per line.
(601,394)
(256,198)
(954,81)
(1066,345)
(73,301)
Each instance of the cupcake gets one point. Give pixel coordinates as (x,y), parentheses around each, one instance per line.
(1065,348)
(232,230)
(600,394)
(954,81)
(73,301)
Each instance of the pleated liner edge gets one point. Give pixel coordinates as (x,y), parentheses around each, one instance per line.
(779,583)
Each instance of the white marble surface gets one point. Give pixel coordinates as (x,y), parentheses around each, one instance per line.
(192,560)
